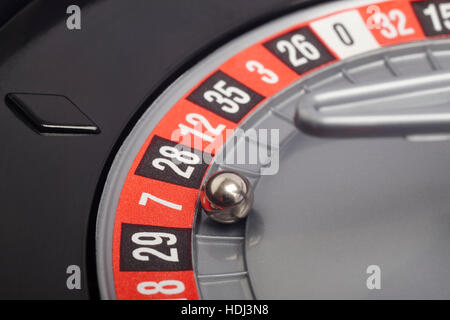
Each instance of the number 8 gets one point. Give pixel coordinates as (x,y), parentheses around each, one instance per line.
(151,287)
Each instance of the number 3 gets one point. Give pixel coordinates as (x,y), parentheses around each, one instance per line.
(268,76)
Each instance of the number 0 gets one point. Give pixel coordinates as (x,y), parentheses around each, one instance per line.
(343,34)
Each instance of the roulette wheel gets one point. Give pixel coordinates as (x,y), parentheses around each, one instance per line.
(225,149)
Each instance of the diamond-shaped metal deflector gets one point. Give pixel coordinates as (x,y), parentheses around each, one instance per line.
(53,114)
